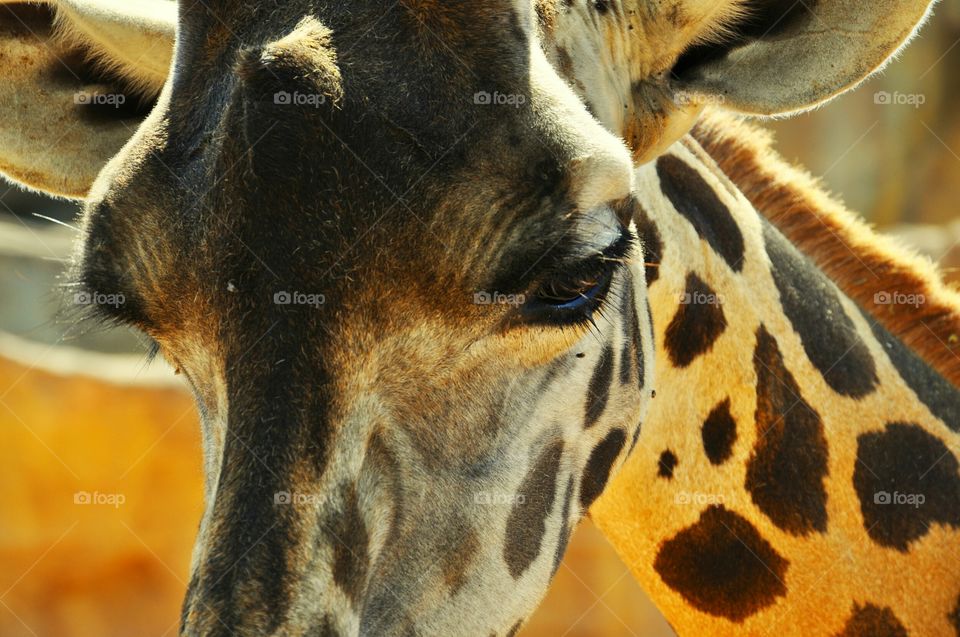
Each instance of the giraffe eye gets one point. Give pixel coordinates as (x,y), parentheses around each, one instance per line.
(573,294)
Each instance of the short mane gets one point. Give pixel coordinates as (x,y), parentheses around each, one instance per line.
(864,264)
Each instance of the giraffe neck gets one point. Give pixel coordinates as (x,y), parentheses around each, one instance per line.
(797,470)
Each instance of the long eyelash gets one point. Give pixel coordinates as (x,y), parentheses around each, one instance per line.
(153,349)
(600,311)
(603,262)
(590,322)
(82,319)
(602,267)
(607,263)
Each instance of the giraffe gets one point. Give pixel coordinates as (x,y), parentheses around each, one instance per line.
(341,499)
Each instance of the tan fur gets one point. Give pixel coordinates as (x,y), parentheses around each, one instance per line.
(863,263)
(619,62)
(623,61)
(132,41)
(827,573)
(46,143)
(49,139)
(819,52)
(308,46)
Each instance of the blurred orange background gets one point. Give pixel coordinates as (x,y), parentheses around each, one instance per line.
(79,414)
(117,566)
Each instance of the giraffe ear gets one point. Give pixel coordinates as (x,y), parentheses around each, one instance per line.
(787,56)
(86,74)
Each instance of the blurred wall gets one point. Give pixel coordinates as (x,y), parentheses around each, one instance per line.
(101,495)
(892,147)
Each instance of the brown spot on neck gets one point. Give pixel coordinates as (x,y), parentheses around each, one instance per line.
(872,621)
(723,566)
(786,470)
(667,463)
(861,263)
(719,433)
(697,325)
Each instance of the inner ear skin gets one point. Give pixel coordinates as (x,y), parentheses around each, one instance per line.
(782,60)
(55,98)
(764,19)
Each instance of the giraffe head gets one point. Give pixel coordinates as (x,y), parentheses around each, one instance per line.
(394,256)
